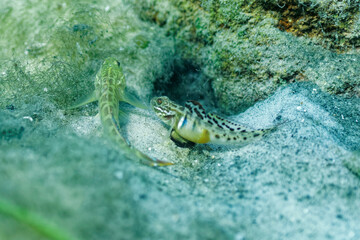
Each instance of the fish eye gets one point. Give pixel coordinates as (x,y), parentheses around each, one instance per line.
(118,63)
(159,101)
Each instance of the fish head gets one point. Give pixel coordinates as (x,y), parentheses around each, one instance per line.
(112,72)
(111,63)
(165,109)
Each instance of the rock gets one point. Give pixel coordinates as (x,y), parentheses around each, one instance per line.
(248,49)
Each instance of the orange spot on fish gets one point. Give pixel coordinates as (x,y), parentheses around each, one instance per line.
(204,137)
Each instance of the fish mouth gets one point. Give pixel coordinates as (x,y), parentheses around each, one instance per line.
(169,117)
(157,109)
(162,113)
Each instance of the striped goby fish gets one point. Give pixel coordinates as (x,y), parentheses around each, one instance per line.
(109,90)
(192,124)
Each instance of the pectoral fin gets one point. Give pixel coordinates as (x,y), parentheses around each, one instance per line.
(131,99)
(122,116)
(84,100)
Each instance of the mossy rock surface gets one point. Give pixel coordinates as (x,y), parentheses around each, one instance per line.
(247,49)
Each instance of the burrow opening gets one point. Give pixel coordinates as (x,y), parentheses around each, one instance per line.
(187,82)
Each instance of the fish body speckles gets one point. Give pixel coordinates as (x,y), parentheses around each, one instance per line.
(193,124)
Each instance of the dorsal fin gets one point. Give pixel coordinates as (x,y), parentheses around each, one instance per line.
(196,108)
(226,124)
(192,103)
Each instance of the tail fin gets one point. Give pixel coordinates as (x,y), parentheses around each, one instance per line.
(145,159)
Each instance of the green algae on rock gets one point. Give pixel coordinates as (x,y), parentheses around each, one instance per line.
(333,23)
(30,219)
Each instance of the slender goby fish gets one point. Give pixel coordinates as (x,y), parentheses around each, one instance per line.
(109,90)
(192,124)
